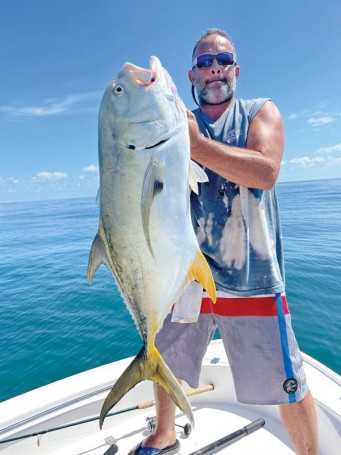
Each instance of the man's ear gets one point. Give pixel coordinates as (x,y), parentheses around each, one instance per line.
(236,71)
(191,76)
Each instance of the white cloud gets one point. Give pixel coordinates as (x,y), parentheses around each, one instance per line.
(293,116)
(72,104)
(332,162)
(44,176)
(323,159)
(91,168)
(8,181)
(321,120)
(316,119)
(332,149)
(306,161)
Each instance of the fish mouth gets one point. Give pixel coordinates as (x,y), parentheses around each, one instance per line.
(143,77)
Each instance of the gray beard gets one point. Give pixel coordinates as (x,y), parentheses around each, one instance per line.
(221,95)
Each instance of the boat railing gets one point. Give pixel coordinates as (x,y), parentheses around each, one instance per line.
(53,409)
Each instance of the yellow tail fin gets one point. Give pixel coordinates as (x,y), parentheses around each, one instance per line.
(145,367)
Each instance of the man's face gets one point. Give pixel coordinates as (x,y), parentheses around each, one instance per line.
(214,84)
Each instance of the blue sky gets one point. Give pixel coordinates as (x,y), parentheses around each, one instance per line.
(58,56)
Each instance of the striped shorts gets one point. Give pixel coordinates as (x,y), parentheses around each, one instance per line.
(264,357)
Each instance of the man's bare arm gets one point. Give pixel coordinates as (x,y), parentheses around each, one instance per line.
(257,165)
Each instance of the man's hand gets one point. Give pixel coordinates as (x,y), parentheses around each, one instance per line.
(194,132)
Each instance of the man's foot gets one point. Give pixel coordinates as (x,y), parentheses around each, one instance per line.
(170,450)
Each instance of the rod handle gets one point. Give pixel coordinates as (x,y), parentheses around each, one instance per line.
(203,389)
(189,393)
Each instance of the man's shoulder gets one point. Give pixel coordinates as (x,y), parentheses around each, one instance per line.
(250,107)
(252,102)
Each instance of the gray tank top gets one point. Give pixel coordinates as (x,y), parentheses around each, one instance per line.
(238,228)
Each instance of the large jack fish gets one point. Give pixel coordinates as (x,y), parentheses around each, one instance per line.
(145,235)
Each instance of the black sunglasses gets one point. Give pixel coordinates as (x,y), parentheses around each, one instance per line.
(206,60)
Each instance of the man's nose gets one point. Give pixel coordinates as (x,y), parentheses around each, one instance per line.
(215,68)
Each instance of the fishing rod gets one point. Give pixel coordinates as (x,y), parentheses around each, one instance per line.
(143,405)
(231,438)
(218,445)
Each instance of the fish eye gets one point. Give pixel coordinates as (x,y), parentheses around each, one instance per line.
(118,90)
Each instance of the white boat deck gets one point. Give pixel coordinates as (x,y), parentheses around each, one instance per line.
(216,413)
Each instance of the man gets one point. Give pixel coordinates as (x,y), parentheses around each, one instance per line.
(240,145)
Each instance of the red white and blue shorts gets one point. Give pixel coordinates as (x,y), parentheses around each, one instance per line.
(263,353)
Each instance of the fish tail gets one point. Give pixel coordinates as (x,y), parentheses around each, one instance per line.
(165,378)
(200,271)
(142,368)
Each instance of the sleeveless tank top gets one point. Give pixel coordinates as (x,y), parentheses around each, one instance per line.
(238,228)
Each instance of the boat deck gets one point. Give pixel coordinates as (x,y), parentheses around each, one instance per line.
(216,413)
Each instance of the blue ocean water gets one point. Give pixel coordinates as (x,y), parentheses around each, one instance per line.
(53,325)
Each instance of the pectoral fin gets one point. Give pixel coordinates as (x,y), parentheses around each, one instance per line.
(152,186)
(196,174)
(201,272)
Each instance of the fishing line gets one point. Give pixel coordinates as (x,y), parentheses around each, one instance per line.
(143,405)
